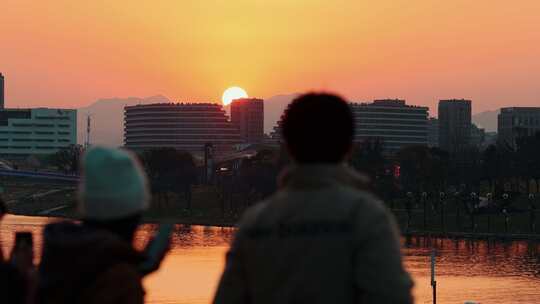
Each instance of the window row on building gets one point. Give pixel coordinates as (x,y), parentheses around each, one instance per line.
(516,122)
(35,139)
(151,126)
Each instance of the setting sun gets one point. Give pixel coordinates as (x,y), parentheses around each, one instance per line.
(233,93)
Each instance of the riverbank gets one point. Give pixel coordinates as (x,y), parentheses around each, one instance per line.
(472,235)
(61,203)
(191,221)
(156,218)
(207,208)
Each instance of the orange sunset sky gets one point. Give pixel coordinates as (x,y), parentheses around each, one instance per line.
(70,53)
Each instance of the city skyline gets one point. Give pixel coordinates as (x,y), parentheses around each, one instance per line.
(61,55)
(220,101)
(276,105)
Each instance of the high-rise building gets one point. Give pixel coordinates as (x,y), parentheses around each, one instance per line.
(516,122)
(490,138)
(478,136)
(454,124)
(276,130)
(275,138)
(247,114)
(433,132)
(1,91)
(36,131)
(184,126)
(391,120)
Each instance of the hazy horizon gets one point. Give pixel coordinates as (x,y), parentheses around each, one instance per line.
(65,54)
(114,98)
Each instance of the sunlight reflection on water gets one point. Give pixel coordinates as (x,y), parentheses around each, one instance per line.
(487,272)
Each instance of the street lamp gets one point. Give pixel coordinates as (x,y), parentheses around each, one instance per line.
(458,216)
(442,197)
(472,210)
(489,199)
(424,200)
(532,213)
(505,212)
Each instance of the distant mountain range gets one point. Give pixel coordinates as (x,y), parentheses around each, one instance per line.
(486,120)
(107,116)
(107,119)
(273,109)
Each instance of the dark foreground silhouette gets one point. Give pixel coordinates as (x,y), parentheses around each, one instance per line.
(322,238)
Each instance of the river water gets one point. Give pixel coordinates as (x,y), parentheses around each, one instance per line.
(486,272)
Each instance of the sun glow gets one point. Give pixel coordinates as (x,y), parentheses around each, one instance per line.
(233,93)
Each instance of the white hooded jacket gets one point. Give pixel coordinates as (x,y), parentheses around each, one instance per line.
(320,239)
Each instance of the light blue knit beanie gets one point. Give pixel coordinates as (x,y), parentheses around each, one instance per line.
(113,185)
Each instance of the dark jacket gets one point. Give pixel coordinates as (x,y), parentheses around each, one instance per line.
(14,285)
(85,265)
(320,239)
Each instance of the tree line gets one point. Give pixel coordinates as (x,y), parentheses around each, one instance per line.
(498,169)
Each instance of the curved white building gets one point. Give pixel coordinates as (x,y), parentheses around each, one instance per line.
(184,126)
(390,120)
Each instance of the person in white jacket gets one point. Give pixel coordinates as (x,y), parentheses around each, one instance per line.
(322,237)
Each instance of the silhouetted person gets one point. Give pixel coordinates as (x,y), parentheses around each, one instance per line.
(3,211)
(14,282)
(321,238)
(95,262)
